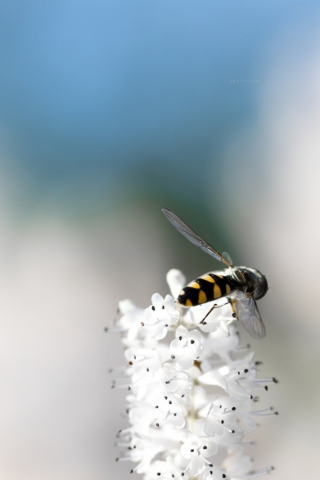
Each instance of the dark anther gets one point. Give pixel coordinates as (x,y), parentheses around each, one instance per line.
(157,406)
(159,473)
(222,421)
(192,450)
(172,356)
(238,373)
(192,342)
(246,370)
(180,338)
(232,431)
(275,380)
(204,447)
(234,315)
(157,425)
(224,475)
(166,325)
(266,387)
(211,472)
(166,398)
(170,403)
(233,408)
(129,388)
(162,307)
(153,307)
(147,369)
(174,414)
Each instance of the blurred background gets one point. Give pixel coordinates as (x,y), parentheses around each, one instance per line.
(110,110)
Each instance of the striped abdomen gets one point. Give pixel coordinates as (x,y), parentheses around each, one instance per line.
(206,288)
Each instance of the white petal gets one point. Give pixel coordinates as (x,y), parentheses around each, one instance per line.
(176,281)
(213,378)
(196,465)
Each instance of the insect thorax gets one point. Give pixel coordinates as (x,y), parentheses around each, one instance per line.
(250,281)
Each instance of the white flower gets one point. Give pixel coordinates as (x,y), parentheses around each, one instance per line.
(160,315)
(192,390)
(196,450)
(176,281)
(187,346)
(212,473)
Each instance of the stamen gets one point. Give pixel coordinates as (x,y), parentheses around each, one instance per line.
(258,473)
(264,413)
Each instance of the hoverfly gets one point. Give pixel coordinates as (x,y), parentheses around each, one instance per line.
(241,285)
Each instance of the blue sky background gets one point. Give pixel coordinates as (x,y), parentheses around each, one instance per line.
(123,92)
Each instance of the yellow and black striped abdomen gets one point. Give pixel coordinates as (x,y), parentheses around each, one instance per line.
(206,288)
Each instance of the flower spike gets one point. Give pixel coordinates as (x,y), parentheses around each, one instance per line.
(192,391)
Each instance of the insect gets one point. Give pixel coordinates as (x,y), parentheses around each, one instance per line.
(241,285)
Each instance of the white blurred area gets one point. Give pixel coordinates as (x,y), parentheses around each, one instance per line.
(273,176)
(60,283)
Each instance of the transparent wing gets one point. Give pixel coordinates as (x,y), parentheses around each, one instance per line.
(248,312)
(194,238)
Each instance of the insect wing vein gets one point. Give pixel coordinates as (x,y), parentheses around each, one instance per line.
(248,312)
(193,237)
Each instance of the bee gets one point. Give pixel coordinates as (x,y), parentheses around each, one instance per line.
(241,285)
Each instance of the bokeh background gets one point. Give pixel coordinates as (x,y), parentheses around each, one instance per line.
(110,110)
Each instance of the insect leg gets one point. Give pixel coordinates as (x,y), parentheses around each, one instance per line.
(232,302)
(215,305)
